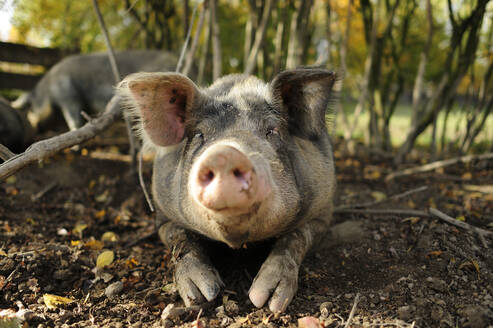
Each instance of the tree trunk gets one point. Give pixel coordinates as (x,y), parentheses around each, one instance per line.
(216,43)
(278,41)
(259,37)
(452,75)
(423,61)
(297,31)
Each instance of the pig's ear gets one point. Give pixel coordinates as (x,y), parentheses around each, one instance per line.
(304,95)
(161,102)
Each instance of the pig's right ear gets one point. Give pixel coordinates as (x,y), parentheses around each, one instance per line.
(161,102)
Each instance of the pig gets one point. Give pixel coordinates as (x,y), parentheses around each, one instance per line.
(85,83)
(15,130)
(239,162)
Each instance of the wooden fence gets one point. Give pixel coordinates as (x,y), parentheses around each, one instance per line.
(19,53)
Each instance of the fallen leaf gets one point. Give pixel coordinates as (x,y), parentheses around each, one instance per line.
(467,176)
(84,152)
(11,179)
(109,236)
(100,214)
(412,219)
(75,242)
(131,263)
(378,195)
(2,252)
(53,301)
(77,230)
(94,244)
(103,197)
(461,218)
(104,259)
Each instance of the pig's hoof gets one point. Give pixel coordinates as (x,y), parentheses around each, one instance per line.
(277,279)
(196,280)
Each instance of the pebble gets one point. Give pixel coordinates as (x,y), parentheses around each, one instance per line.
(406,312)
(437,284)
(114,289)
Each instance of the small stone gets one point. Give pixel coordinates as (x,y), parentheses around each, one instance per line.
(325,309)
(406,312)
(114,289)
(437,284)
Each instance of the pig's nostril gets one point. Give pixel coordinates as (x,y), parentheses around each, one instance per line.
(237,173)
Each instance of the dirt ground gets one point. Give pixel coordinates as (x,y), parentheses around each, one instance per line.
(57,218)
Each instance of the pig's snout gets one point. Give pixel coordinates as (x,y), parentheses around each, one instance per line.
(226,180)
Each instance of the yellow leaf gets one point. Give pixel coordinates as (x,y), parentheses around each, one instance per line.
(104,259)
(467,176)
(103,197)
(53,301)
(378,195)
(77,230)
(461,218)
(132,262)
(109,236)
(75,242)
(94,244)
(412,219)
(84,152)
(2,252)
(92,183)
(11,179)
(411,204)
(100,214)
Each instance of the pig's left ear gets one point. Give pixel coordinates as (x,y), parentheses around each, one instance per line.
(304,95)
(161,102)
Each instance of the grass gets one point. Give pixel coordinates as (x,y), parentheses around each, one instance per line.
(401,123)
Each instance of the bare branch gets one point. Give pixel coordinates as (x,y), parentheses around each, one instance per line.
(195,41)
(48,147)
(394,212)
(394,197)
(438,164)
(187,39)
(5,153)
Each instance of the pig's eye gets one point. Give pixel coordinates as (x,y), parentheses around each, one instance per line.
(272,132)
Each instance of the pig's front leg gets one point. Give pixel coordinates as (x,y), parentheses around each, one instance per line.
(196,279)
(278,276)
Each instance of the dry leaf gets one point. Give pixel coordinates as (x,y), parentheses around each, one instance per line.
(461,218)
(77,230)
(412,219)
(53,301)
(467,176)
(105,258)
(94,244)
(11,179)
(109,236)
(75,242)
(2,252)
(378,195)
(100,214)
(486,189)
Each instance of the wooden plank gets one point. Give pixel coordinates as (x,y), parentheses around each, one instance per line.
(20,53)
(18,81)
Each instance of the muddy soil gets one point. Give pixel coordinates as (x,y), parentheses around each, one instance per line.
(401,270)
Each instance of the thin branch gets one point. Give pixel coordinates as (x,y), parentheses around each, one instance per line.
(187,39)
(353,310)
(195,41)
(394,197)
(5,153)
(48,147)
(481,232)
(111,53)
(438,164)
(397,212)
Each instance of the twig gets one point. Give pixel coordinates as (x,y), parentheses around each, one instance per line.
(117,77)
(399,212)
(353,310)
(394,197)
(195,41)
(435,165)
(5,153)
(481,232)
(48,147)
(187,38)
(142,183)
(43,191)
